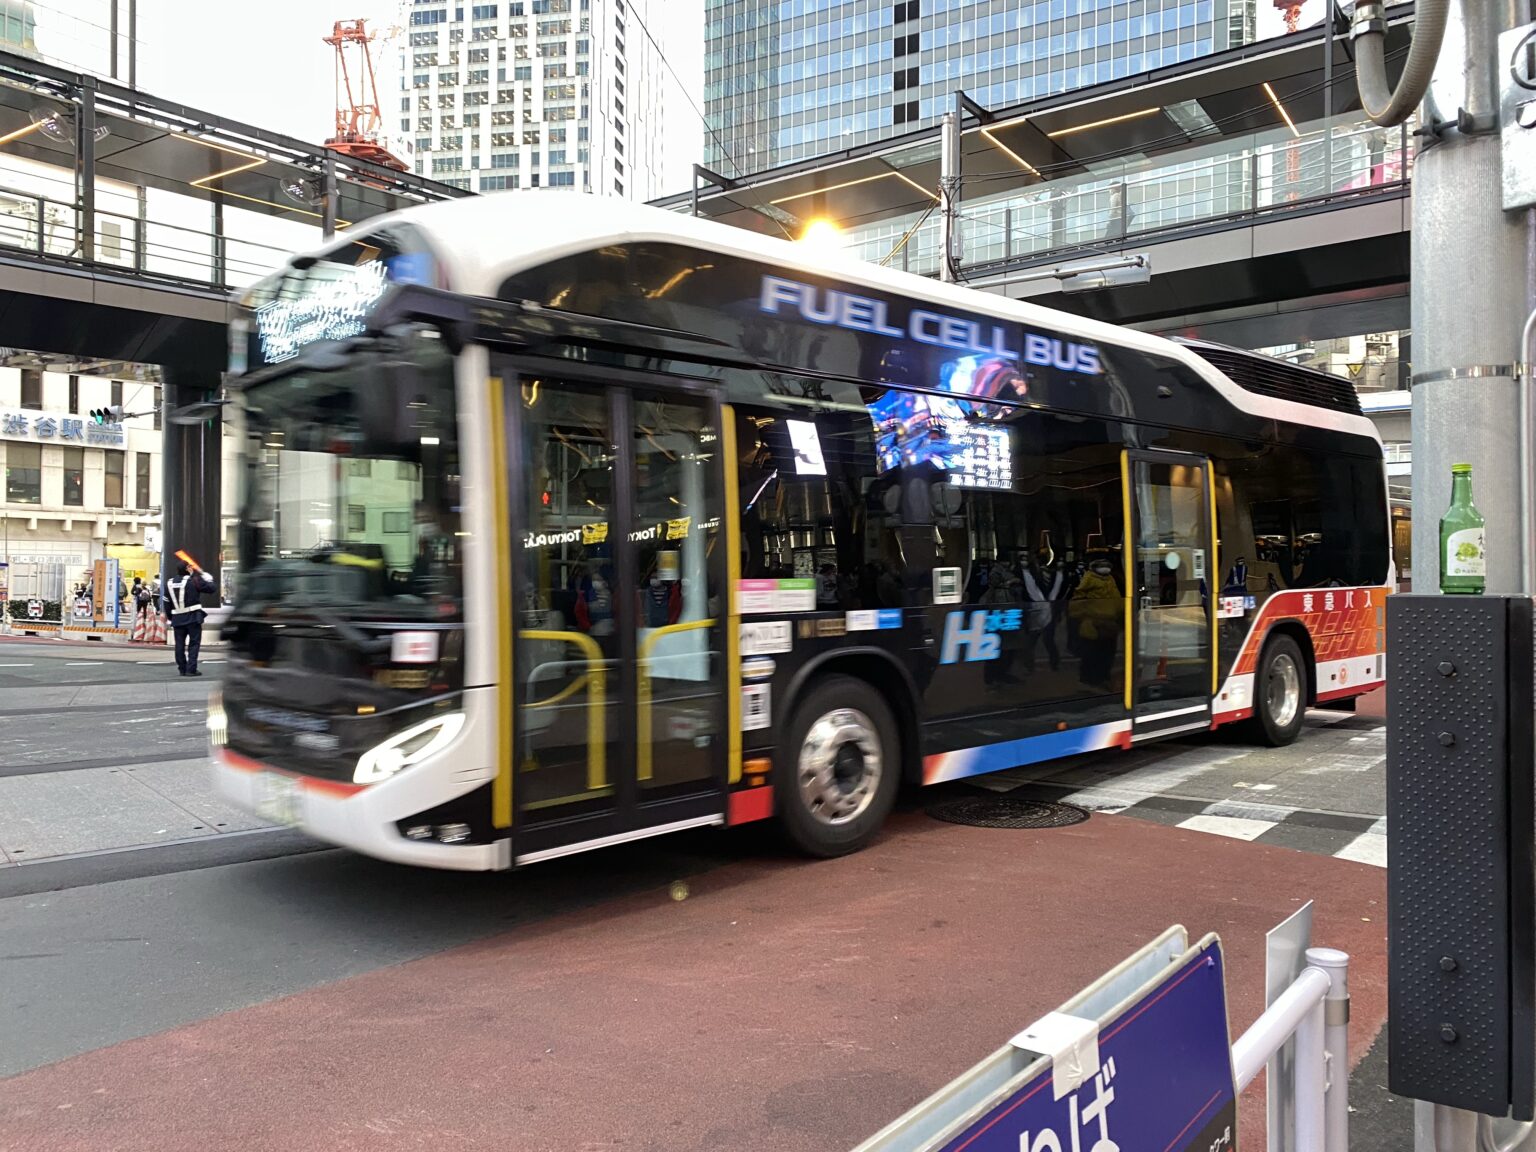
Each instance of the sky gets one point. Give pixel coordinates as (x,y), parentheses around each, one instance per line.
(264,63)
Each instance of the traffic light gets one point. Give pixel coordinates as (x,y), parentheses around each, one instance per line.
(109,415)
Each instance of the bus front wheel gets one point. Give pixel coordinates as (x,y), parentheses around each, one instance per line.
(837,773)
(1280,692)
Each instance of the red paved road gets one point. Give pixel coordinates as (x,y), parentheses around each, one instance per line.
(784,1007)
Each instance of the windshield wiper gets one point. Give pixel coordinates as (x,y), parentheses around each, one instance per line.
(350,632)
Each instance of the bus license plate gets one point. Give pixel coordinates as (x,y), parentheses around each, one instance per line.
(277,798)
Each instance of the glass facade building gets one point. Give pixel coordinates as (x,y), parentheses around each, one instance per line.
(786,80)
(534,94)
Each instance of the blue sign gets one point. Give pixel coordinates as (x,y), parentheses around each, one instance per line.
(1163,1081)
(974,635)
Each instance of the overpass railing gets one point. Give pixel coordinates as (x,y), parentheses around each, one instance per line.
(155,242)
(1140,198)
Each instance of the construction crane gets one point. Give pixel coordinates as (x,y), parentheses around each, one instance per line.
(359,125)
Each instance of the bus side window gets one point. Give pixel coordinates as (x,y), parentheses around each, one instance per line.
(814,506)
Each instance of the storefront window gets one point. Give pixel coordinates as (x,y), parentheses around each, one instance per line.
(114,477)
(23,474)
(74,477)
(141,480)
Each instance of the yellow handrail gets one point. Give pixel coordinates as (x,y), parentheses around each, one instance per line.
(643,690)
(569,690)
(597,748)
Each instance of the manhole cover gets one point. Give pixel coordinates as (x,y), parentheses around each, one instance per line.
(1006,812)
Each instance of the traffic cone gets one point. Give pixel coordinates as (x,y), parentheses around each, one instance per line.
(138,633)
(156,628)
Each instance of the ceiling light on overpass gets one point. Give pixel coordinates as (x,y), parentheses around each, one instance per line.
(1280,108)
(1104,123)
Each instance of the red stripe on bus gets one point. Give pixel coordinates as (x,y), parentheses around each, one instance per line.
(751,804)
(339,788)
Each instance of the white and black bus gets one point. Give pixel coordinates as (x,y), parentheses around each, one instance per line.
(568,522)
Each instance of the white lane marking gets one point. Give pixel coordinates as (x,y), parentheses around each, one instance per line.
(1234,826)
(1250,810)
(1370,847)
(15,665)
(83,663)
(1123,789)
(154,661)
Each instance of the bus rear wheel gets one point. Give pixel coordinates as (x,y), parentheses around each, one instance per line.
(837,773)
(1279,692)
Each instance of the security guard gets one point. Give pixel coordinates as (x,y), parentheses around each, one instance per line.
(183,604)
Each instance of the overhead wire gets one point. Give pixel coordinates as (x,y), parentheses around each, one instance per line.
(697,111)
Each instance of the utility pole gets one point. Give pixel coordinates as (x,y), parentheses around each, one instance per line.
(949,195)
(1469,303)
(1472,279)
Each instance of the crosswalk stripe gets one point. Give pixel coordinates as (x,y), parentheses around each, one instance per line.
(1367,848)
(1234,826)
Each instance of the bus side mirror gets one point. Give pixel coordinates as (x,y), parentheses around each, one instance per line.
(394,411)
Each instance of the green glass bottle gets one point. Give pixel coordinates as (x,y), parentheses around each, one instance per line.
(1463,563)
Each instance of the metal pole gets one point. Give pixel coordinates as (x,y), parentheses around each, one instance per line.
(1328,99)
(1336,1045)
(1469,305)
(85,167)
(220,243)
(949,196)
(1469,302)
(328,217)
(1311,1081)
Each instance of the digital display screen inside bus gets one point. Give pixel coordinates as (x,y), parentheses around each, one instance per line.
(913,429)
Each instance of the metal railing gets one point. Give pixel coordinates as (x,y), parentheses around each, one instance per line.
(49,227)
(1234,179)
(1315,1010)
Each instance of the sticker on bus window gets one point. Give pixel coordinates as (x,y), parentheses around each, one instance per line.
(946,586)
(783,595)
(807,445)
(756,710)
(766,637)
(874,619)
(1230,606)
(757,669)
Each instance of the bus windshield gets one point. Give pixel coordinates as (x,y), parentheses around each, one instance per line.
(351,497)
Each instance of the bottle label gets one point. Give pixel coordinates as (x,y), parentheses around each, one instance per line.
(1464,553)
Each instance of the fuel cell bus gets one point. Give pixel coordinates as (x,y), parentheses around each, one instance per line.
(568,522)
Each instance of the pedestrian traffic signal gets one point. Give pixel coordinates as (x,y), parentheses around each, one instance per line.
(109,415)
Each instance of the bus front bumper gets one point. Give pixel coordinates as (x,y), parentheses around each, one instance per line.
(349,815)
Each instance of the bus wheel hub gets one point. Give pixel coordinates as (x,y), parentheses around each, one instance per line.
(840,766)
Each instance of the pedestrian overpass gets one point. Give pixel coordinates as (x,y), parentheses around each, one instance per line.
(126,224)
(126,221)
(1268,209)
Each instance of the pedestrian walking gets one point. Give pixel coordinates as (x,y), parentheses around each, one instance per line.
(184,606)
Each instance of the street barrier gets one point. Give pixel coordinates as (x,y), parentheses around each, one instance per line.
(1141,1059)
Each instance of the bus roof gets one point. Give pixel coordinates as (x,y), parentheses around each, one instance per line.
(481,241)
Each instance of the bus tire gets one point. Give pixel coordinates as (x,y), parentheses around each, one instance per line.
(837,773)
(1279,692)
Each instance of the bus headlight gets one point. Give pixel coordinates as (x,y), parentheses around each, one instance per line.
(406,748)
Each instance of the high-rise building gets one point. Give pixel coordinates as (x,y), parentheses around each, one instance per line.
(535,94)
(785,80)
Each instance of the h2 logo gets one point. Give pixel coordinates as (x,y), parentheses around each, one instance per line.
(977,634)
